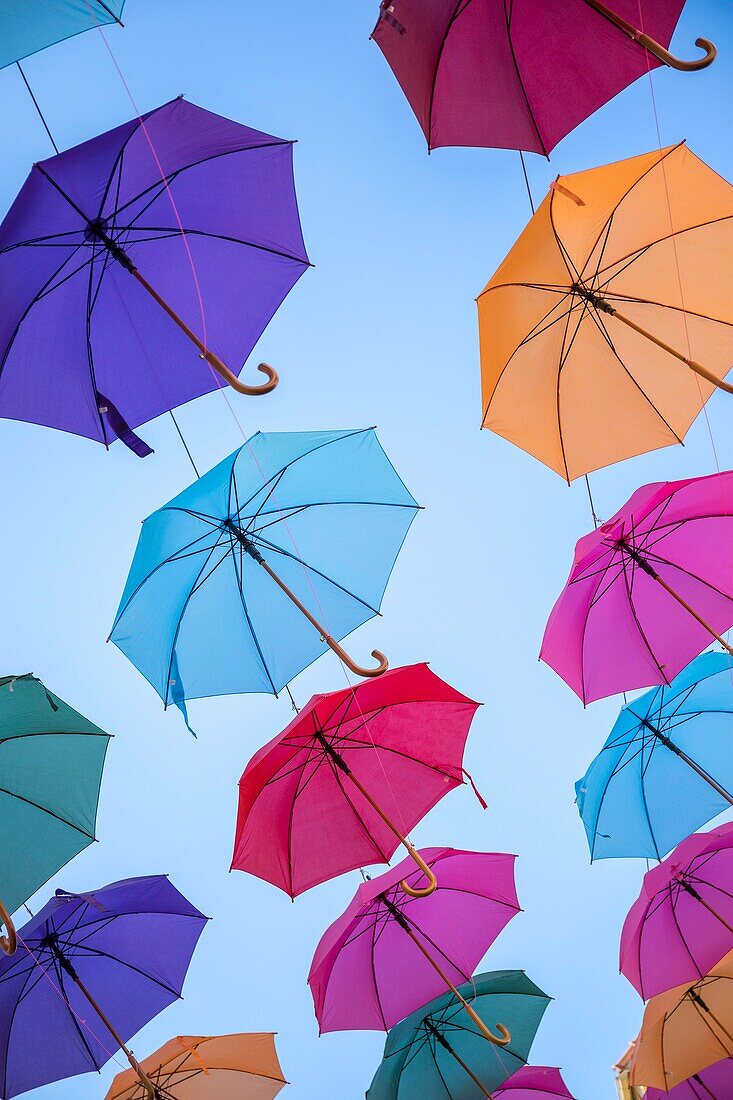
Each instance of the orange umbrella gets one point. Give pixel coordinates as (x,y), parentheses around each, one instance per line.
(609,323)
(686,1030)
(194,1067)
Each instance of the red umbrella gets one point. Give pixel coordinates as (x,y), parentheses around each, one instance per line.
(522,75)
(350,777)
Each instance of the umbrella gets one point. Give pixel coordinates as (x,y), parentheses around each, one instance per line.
(647,591)
(521,76)
(437,1052)
(121,951)
(685,1030)
(35,24)
(189,1067)
(323,796)
(675,738)
(534,1083)
(713,1083)
(228,577)
(133,266)
(681,924)
(389,953)
(51,761)
(609,323)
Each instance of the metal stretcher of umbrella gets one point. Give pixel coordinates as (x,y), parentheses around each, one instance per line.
(534,1083)
(51,762)
(647,591)
(713,1083)
(681,925)
(686,1030)
(674,738)
(349,778)
(610,322)
(283,548)
(139,269)
(521,76)
(90,971)
(391,951)
(436,1053)
(202,1067)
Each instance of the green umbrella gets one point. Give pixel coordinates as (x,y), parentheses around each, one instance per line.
(437,1053)
(51,761)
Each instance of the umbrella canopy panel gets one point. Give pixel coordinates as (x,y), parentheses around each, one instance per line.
(31,25)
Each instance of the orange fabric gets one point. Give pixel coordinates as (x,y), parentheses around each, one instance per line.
(574,386)
(199,1067)
(686,1030)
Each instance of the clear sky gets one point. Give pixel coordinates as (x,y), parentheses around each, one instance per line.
(382,331)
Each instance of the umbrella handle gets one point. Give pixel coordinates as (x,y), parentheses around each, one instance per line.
(654,47)
(382,662)
(8,943)
(503,1039)
(241,387)
(419,891)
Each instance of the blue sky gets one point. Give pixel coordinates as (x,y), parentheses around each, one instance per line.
(382,331)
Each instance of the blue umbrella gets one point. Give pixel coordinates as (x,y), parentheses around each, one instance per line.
(32,25)
(245,578)
(667,767)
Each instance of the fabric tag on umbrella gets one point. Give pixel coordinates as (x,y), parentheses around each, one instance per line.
(122,429)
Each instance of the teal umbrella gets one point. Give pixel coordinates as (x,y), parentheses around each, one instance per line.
(51,761)
(437,1053)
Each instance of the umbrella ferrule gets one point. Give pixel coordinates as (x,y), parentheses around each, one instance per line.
(595,299)
(331,752)
(247,545)
(661,736)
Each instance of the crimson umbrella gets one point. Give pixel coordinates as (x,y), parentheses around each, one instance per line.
(521,75)
(351,775)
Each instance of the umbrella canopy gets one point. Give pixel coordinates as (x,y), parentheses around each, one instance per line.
(534,1083)
(51,761)
(390,953)
(291,526)
(323,796)
(681,924)
(647,591)
(519,76)
(35,24)
(121,951)
(713,1083)
(220,1067)
(685,1030)
(438,1053)
(677,738)
(136,265)
(609,323)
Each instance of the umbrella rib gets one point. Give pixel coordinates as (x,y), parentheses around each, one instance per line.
(616,770)
(632,257)
(29,974)
(451,20)
(659,560)
(667,305)
(525,97)
(97,953)
(238,574)
(61,988)
(627,587)
(291,814)
(45,810)
(562,360)
(306,565)
(432,1045)
(383,857)
(172,232)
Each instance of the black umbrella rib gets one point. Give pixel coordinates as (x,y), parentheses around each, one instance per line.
(667,305)
(176,232)
(525,97)
(50,813)
(294,557)
(77,1024)
(75,206)
(31,972)
(255,515)
(432,1047)
(631,257)
(234,548)
(95,952)
(43,242)
(383,857)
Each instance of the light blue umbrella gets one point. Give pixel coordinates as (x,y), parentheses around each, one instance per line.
(28,26)
(247,576)
(667,767)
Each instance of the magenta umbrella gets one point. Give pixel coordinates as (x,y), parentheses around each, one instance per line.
(534,1083)
(390,953)
(521,75)
(681,925)
(647,591)
(713,1083)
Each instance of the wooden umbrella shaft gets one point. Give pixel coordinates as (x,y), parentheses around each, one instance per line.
(650,44)
(440,1038)
(669,744)
(691,363)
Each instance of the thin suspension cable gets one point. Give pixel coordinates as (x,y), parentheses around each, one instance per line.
(596,521)
(183,441)
(36,105)
(526,180)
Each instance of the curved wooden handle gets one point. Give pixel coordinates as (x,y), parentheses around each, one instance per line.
(419,891)
(382,662)
(241,387)
(8,943)
(504,1037)
(675,62)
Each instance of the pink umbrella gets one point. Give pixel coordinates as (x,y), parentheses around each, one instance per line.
(533,1083)
(681,925)
(647,591)
(389,953)
(713,1083)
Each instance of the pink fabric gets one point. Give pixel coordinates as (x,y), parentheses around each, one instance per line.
(669,937)
(367,974)
(614,628)
(713,1083)
(302,821)
(533,1083)
(515,75)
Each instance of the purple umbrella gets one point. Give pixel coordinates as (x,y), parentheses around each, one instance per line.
(91,970)
(534,1083)
(136,265)
(713,1083)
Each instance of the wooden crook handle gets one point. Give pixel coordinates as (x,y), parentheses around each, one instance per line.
(382,662)
(504,1037)
(419,891)
(242,387)
(675,62)
(8,943)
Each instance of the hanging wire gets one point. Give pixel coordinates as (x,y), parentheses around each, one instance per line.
(36,105)
(526,180)
(183,441)
(596,520)
(295,706)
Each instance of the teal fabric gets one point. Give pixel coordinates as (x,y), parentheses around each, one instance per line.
(27,26)
(51,761)
(416,1066)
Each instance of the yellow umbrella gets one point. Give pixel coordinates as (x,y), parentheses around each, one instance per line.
(200,1067)
(685,1030)
(609,323)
